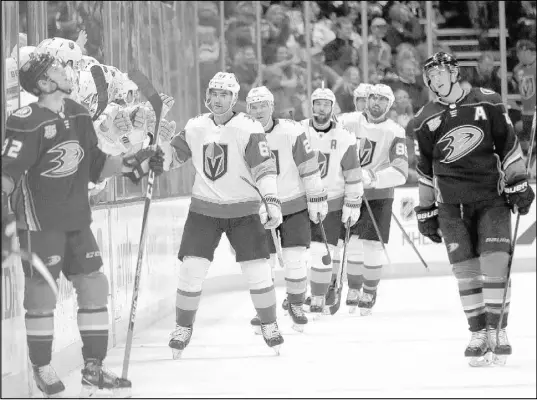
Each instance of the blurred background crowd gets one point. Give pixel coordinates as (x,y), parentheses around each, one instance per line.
(267,43)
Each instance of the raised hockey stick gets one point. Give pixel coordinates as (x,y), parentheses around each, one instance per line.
(335,307)
(147,89)
(275,238)
(515,234)
(377,230)
(102,90)
(410,242)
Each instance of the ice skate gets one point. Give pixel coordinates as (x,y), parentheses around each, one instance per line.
(297,315)
(353,298)
(255,322)
(48,382)
(179,339)
(317,306)
(478,349)
(366,303)
(501,349)
(272,336)
(96,378)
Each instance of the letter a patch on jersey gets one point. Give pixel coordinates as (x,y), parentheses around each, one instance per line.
(367,149)
(214,160)
(324,162)
(460,142)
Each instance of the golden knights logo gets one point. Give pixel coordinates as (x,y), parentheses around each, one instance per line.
(276,157)
(324,162)
(367,149)
(214,160)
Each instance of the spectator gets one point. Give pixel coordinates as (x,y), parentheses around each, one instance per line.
(341,52)
(485,75)
(401,112)
(406,80)
(244,67)
(380,52)
(404,27)
(322,32)
(344,92)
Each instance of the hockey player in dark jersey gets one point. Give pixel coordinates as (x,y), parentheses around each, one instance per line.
(49,155)
(471,175)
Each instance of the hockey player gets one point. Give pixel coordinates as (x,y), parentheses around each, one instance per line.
(341,174)
(49,156)
(384,161)
(301,192)
(226,147)
(471,176)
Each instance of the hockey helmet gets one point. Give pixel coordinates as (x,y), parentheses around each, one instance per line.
(362,90)
(441,61)
(87,91)
(63,49)
(33,70)
(380,90)
(323,94)
(24,54)
(87,62)
(258,94)
(223,81)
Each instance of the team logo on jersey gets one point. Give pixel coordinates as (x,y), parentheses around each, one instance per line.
(367,149)
(434,123)
(527,87)
(23,112)
(214,160)
(66,162)
(407,209)
(459,142)
(50,131)
(324,162)
(276,157)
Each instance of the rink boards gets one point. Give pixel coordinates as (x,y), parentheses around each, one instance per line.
(117,230)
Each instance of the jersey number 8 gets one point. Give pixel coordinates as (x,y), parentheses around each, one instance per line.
(264,149)
(400,150)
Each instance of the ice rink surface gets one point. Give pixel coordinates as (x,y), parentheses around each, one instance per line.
(412,346)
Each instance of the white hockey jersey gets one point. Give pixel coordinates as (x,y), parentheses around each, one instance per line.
(338,162)
(382,150)
(221,155)
(296,165)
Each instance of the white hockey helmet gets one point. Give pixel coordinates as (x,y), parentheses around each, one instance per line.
(64,49)
(223,81)
(381,90)
(259,94)
(24,54)
(87,91)
(362,90)
(87,62)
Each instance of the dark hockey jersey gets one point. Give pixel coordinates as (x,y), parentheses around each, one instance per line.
(50,158)
(468,150)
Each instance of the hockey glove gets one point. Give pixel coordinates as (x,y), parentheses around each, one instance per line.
(166,131)
(369,178)
(138,164)
(317,204)
(351,210)
(428,222)
(123,121)
(138,117)
(272,217)
(168,103)
(519,197)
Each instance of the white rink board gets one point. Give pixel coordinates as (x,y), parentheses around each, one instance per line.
(118,230)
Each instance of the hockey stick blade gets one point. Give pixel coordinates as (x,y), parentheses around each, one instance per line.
(102,90)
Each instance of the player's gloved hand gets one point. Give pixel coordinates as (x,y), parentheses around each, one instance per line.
(351,209)
(519,197)
(168,102)
(137,165)
(428,222)
(166,131)
(123,121)
(318,205)
(9,227)
(369,178)
(138,117)
(272,217)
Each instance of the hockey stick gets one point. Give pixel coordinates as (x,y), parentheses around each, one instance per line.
(327,258)
(102,90)
(410,242)
(147,89)
(515,234)
(377,230)
(335,307)
(272,231)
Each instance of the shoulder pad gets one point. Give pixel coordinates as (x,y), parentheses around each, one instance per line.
(247,123)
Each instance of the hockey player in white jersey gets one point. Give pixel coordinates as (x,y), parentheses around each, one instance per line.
(225,147)
(341,174)
(301,192)
(384,161)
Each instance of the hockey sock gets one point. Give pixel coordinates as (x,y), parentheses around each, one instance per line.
(336,260)
(192,273)
(320,273)
(93,327)
(39,335)
(470,282)
(372,269)
(258,273)
(294,259)
(494,267)
(355,263)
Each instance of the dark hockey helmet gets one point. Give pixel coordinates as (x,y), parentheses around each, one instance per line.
(440,60)
(34,70)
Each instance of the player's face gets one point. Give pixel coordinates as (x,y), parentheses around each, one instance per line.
(322,110)
(440,79)
(377,105)
(58,74)
(359,103)
(220,100)
(261,111)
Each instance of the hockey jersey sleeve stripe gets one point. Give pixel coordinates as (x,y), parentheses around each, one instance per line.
(29,207)
(391,177)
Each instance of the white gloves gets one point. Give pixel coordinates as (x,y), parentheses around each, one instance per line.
(138,117)
(369,178)
(272,217)
(318,204)
(166,131)
(123,122)
(351,209)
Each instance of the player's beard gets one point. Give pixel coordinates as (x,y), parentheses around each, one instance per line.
(321,119)
(377,112)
